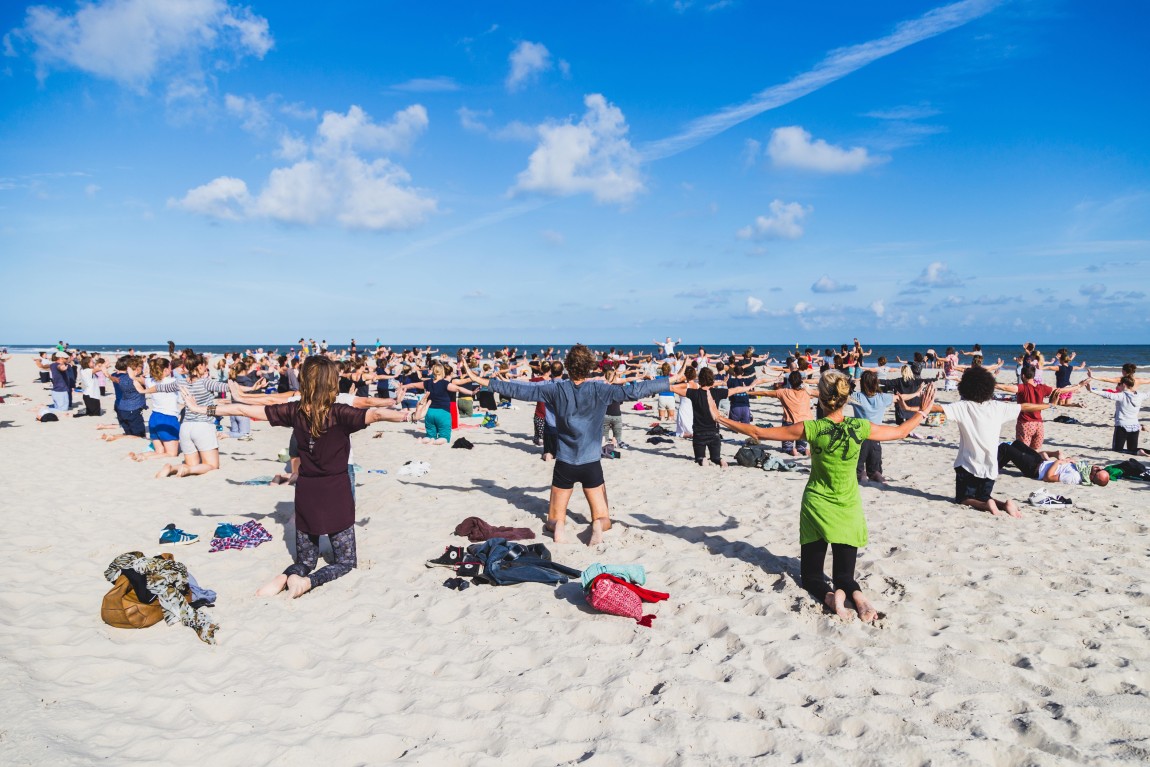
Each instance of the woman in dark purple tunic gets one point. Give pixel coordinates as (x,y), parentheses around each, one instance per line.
(324,503)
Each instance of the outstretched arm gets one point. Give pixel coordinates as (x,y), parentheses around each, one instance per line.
(884,433)
(254,412)
(777,433)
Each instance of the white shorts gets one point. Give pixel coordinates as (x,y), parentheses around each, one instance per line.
(197,437)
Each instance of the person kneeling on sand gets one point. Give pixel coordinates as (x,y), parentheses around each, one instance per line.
(579,405)
(324,492)
(980,418)
(831,512)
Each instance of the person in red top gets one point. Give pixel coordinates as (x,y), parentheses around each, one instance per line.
(324,499)
(1030,429)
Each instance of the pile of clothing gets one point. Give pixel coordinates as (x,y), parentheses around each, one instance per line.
(501,562)
(139,582)
(245,536)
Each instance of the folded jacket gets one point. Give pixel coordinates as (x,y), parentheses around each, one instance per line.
(476,530)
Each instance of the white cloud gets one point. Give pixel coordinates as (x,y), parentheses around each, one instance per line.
(1095,289)
(802,307)
(825,284)
(592,156)
(472,119)
(906,112)
(879,308)
(339,134)
(441,84)
(791,147)
(751,151)
(835,65)
(133,41)
(785,222)
(937,275)
(224,197)
(333,179)
(252,114)
(754,305)
(528,60)
(553,237)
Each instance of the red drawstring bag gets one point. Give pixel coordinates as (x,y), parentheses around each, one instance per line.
(609,594)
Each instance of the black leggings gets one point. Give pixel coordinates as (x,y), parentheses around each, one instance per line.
(870,458)
(307,556)
(842,568)
(1125,441)
(707,442)
(91,405)
(1027,459)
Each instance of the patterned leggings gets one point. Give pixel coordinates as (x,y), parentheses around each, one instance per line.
(1030,433)
(538,422)
(307,556)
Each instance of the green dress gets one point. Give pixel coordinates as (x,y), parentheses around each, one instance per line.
(832,506)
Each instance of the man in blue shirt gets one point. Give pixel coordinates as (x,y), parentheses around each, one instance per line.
(579,405)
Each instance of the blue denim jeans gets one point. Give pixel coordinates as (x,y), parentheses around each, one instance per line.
(60,401)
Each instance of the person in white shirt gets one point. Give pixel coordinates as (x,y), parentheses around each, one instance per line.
(980,418)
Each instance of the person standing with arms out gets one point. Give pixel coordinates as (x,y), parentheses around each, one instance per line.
(579,405)
(831,512)
(324,494)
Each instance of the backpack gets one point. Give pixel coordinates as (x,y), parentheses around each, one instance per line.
(751,456)
(490,421)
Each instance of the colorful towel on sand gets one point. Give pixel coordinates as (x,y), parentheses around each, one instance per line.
(634,573)
(477,530)
(247,536)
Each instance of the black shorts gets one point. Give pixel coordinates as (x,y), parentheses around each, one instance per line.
(967,486)
(590,475)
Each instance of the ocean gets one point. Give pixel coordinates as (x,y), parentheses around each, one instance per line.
(1095,355)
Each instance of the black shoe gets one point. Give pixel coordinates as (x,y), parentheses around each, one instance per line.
(452,556)
(469,569)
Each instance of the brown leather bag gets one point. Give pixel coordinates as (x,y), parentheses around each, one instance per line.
(122,609)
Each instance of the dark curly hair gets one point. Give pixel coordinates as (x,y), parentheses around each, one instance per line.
(706,377)
(580,362)
(976,385)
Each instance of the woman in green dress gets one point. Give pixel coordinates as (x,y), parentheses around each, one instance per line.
(832,512)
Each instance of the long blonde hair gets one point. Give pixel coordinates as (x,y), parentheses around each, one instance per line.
(318,385)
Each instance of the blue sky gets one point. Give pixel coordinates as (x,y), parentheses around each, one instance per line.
(611,172)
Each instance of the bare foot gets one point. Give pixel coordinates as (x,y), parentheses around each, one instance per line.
(597,528)
(136,458)
(723,464)
(167,471)
(836,602)
(272,587)
(558,534)
(795,453)
(297,586)
(182,471)
(866,611)
(992,507)
(1013,510)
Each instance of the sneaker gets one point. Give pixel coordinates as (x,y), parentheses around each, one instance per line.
(173,536)
(452,556)
(469,569)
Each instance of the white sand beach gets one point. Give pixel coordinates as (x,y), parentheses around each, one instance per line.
(1001,641)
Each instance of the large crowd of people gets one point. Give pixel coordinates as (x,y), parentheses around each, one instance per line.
(835,407)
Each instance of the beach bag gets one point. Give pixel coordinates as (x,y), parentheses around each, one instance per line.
(606,596)
(123,609)
(935,419)
(751,456)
